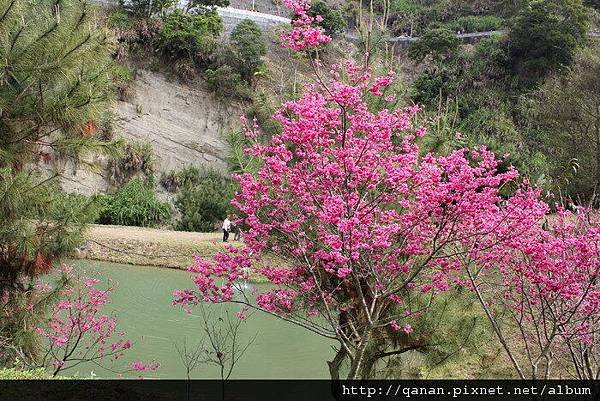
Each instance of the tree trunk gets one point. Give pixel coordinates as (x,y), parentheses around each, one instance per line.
(336,364)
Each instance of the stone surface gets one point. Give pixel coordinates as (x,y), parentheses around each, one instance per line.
(185,125)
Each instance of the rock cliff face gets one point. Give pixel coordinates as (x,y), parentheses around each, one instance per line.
(184,124)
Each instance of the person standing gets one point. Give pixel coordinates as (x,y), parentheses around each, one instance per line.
(237,230)
(226,228)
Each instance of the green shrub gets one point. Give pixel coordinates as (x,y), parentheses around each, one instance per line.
(440,43)
(263,109)
(16,374)
(592,3)
(545,36)
(119,19)
(190,36)
(226,82)
(146,8)
(333,21)
(107,126)
(491,58)
(134,204)
(123,78)
(249,48)
(176,179)
(205,203)
(430,86)
(476,23)
(136,158)
(238,160)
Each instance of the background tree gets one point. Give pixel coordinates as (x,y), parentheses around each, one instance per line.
(565,123)
(146,8)
(439,43)
(202,6)
(248,47)
(192,37)
(55,82)
(333,21)
(204,203)
(545,36)
(593,3)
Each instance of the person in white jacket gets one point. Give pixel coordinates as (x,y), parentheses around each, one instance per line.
(226,228)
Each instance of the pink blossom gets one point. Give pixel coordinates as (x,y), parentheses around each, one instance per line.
(79,326)
(304,34)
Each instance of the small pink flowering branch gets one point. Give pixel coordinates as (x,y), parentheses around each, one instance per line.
(551,290)
(78,331)
(304,35)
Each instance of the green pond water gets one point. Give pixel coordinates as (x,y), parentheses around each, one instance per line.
(142,302)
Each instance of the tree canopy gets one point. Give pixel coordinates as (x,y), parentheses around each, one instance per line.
(545,36)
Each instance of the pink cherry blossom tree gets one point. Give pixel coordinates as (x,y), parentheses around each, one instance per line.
(371,227)
(548,294)
(78,331)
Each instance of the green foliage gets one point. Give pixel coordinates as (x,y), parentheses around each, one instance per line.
(226,82)
(492,123)
(134,204)
(430,86)
(134,159)
(249,48)
(107,126)
(55,84)
(333,21)
(416,16)
(190,36)
(451,340)
(238,160)
(441,135)
(17,374)
(123,78)
(203,204)
(177,179)
(564,123)
(464,345)
(491,61)
(53,77)
(202,6)
(135,36)
(476,23)
(545,36)
(263,109)
(440,43)
(146,8)
(593,3)
(119,19)
(38,222)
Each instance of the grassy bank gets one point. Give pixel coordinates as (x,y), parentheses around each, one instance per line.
(152,247)
(148,247)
